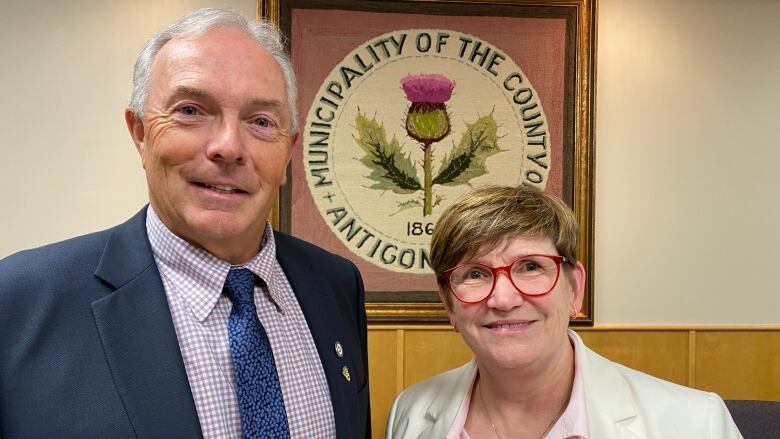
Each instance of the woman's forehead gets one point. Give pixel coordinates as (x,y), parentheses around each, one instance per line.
(511,247)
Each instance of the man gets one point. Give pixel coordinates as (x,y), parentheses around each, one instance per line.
(193,318)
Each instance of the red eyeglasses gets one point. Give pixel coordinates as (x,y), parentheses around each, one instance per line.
(532,275)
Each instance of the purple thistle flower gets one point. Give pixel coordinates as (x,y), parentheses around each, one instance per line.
(427,88)
(427,120)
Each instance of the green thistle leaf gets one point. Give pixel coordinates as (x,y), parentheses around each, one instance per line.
(406,205)
(390,168)
(467,158)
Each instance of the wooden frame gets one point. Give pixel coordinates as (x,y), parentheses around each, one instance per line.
(576,20)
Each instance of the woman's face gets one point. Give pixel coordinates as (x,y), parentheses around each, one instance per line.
(512,330)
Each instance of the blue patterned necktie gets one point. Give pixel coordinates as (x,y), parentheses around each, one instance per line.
(257,383)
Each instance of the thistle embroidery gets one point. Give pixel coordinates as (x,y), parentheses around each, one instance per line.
(427,122)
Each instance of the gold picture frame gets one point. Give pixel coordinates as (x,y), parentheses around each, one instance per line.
(578,21)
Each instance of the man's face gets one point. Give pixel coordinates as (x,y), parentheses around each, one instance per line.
(214,140)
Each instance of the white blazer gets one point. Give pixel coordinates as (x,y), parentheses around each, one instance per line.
(621,404)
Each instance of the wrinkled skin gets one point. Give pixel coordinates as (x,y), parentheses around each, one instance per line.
(214,140)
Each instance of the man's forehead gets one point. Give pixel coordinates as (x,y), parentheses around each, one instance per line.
(221,46)
(215,54)
(217,40)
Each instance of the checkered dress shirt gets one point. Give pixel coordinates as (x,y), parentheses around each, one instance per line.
(193,280)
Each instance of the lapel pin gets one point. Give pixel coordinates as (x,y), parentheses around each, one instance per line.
(345,372)
(339,349)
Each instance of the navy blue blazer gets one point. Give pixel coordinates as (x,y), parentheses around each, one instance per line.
(88,348)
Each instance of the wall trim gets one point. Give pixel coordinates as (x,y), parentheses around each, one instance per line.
(631,327)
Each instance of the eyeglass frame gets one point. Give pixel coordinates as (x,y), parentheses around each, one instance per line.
(558,259)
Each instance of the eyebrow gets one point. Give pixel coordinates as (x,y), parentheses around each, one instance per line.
(184,90)
(191,91)
(266,103)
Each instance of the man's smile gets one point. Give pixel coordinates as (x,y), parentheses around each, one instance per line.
(221,188)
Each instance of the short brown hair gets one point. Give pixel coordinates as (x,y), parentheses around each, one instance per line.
(490,215)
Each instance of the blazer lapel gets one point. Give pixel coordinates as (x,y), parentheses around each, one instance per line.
(445,406)
(326,325)
(612,411)
(139,340)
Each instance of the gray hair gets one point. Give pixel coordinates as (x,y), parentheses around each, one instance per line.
(198,22)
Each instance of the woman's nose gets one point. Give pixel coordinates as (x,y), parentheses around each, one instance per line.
(505,296)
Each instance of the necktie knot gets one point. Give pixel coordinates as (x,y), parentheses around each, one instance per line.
(240,286)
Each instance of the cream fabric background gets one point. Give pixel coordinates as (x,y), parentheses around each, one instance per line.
(687,161)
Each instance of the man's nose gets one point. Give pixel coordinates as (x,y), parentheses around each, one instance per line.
(226,144)
(505,296)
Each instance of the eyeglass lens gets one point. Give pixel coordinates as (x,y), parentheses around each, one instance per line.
(533,275)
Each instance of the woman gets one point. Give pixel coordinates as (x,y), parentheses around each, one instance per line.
(505,260)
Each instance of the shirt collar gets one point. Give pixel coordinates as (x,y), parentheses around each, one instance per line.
(197,275)
(574,420)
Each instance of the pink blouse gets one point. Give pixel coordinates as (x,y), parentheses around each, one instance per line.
(573,423)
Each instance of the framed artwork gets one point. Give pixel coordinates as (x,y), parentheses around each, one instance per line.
(405,105)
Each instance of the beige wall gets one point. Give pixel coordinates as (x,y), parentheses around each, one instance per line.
(687,166)
(67,164)
(688,162)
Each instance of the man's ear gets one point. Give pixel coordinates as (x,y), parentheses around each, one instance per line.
(137,132)
(293,142)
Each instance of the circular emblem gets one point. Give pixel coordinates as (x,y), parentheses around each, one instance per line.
(407,122)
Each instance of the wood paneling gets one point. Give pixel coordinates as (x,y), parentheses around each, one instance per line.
(739,365)
(382,371)
(431,352)
(663,354)
(735,362)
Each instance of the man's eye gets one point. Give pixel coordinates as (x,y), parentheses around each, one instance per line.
(263,122)
(188,110)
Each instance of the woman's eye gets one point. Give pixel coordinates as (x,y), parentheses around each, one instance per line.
(475,274)
(529,266)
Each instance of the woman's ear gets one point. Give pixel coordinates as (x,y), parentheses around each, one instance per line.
(444,300)
(577,281)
